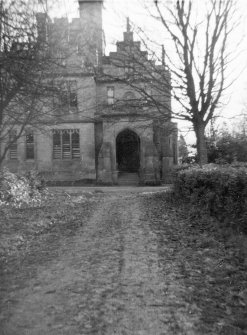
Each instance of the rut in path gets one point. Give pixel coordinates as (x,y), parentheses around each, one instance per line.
(106,280)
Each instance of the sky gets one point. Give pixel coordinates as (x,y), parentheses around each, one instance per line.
(114,23)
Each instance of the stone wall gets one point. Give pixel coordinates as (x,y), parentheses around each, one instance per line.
(99,123)
(108,171)
(58,169)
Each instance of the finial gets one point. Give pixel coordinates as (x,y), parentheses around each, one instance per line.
(128,24)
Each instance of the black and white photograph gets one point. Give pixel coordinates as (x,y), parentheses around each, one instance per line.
(123,167)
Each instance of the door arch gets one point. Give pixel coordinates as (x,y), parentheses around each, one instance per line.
(128,151)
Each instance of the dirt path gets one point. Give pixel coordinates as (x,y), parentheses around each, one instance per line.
(119,275)
(105,280)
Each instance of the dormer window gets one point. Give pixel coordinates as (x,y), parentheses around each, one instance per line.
(110,95)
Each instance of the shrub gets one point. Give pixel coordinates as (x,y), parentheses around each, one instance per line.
(227,148)
(220,191)
(35,181)
(19,191)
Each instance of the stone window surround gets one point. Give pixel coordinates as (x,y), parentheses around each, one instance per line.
(66,144)
(110,95)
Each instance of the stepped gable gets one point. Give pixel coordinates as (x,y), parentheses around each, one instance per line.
(126,48)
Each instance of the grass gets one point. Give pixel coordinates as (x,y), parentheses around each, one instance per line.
(21,226)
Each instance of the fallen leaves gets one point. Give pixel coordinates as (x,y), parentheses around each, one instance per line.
(19,226)
(212,263)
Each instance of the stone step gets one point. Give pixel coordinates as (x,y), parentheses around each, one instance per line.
(128,178)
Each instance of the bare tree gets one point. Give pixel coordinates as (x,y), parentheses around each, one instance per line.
(195,74)
(28,66)
(194,70)
(200,78)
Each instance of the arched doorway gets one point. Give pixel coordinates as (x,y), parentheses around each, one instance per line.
(128,151)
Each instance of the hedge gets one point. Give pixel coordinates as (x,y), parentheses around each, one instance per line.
(219,190)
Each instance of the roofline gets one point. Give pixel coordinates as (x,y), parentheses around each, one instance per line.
(80,1)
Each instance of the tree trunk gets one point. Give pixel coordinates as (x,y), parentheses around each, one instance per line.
(201,145)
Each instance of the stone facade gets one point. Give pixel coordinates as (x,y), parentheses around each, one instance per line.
(116,133)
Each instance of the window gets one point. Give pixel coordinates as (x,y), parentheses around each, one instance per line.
(110,95)
(73,99)
(12,145)
(75,139)
(57,149)
(72,93)
(29,145)
(66,96)
(66,143)
(128,67)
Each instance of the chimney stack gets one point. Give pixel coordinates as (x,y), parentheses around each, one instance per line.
(92,30)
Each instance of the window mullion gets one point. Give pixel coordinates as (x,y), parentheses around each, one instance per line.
(61,144)
(70,142)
